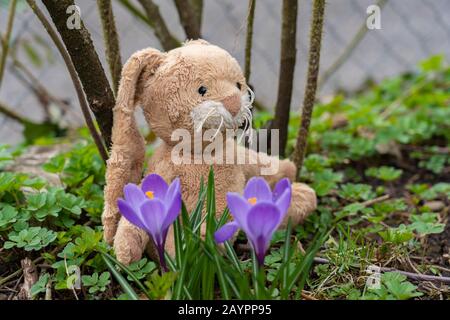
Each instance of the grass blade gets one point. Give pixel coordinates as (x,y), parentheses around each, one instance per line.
(286,260)
(121,280)
(178,242)
(128,272)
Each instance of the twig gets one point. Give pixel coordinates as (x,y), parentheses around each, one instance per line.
(188,18)
(5,39)
(76,82)
(311,83)
(43,95)
(12,115)
(136,12)
(307,296)
(158,24)
(14,289)
(348,50)
(198,11)
(376,200)
(249,38)
(111,40)
(410,275)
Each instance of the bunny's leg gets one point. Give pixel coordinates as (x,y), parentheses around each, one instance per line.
(303,203)
(130,242)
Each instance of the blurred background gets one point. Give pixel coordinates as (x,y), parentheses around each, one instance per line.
(37,85)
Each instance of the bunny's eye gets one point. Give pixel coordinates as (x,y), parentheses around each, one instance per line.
(238,85)
(202,90)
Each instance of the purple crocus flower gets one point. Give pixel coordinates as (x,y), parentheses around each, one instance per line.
(152,207)
(258,213)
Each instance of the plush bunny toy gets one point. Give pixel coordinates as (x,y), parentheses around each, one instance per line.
(196,84)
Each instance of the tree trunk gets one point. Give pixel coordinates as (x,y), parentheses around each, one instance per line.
(111,40)
(286,74)
(311,83)
(79,44)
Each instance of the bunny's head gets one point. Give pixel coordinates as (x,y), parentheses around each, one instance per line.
(196,86)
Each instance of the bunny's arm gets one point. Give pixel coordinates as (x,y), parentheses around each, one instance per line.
(261,164)
(303,200)
(123,166)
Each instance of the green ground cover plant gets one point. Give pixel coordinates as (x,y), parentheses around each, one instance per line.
(378,161)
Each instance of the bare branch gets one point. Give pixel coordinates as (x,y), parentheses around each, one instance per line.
(286,74)
(73,74)
(167,40)
(8,112)
(198,10)
(87,65)
(111,40)
(410,275)
(24,75)
(5,39)
(348,50)
(188,18)
(249,38)
(311,82)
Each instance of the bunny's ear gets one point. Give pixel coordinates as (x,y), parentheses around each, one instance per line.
(125,134)
(196,41)
(128,148)
(150,59)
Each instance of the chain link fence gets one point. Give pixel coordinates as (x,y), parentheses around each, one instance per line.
(410,31)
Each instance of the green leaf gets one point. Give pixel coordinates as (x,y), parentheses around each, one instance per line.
(397,235)
(426,223)
(40,285)
(384,173)
(31,239)
(8,215)
(397,285)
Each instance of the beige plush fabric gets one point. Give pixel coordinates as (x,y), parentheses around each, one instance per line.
(166,86)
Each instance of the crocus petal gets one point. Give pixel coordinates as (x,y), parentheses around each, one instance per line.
(134,196)
(238,207)
(262,220)
(280,187)
(174,209)
(173,190)
(226,232)
(284,201)
(155,183)
(130,214)
(258,188)
(153,214)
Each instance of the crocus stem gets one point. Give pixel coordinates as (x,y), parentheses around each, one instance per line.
(162,259)
(257,267)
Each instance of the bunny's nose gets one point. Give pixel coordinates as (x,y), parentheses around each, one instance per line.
(232,104)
